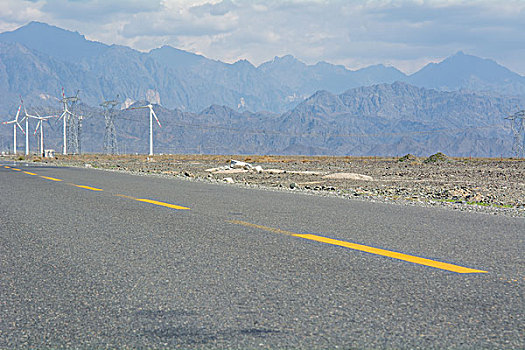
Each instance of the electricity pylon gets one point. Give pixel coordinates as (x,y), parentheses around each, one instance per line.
(72,124)
(110,134)
(517,126)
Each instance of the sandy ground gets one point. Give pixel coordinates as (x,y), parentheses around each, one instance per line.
(495,186)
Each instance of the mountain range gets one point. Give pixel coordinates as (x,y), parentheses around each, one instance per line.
(297,108)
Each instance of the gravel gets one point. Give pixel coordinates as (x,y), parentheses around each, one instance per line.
(494,186)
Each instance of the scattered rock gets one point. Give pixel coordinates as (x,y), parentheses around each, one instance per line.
(293,185)
(228,180)
(212,170)
(88,166)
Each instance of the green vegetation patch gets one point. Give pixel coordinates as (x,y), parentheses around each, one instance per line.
(407,157)
(437,158)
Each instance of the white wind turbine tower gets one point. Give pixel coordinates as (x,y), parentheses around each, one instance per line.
(26,118)
(15,124)
(151,115)
(38,125)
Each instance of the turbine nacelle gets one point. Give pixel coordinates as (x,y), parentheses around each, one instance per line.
(151,111)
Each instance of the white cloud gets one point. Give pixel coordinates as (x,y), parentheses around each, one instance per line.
(404,33)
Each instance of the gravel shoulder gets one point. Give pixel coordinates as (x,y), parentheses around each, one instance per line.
(494,186)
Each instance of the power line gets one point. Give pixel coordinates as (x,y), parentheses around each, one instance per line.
(280,133)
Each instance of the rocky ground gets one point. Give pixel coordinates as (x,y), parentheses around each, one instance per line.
(495,186)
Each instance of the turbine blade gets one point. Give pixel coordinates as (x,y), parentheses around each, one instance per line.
(18,112)
(37,126)
(157,119)
(23,132)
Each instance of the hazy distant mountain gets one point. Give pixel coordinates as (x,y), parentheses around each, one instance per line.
(179,79)
(395,119)
(462,71)
(305,79)
(55,42)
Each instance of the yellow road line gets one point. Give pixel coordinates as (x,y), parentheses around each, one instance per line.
(15,169)
(7,167)
(173,206)
(88,187)
(391,254)
(371,250)
(28,173)
(50,178)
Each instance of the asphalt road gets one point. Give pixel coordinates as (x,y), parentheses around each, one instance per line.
(120,263)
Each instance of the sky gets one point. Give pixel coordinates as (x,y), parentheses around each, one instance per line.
(406,34)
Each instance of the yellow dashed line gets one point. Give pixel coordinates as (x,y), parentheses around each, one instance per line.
(50,178)
(163,204)
(88,187)
(7,167)
(371,250)
(16,169)
(173,206)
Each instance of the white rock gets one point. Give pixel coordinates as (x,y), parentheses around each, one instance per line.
(239,164)
(230,171)
(228,180)
(88,165)
(275,171)
(258,169)
(348,176)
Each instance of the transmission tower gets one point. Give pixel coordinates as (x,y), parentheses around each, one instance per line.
(110,134)
(517,126)
(73,124)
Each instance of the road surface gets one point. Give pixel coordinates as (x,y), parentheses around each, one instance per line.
(93,259)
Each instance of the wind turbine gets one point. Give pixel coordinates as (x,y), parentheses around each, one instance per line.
(26,118)
(40,124)
(151,115)
(15,124)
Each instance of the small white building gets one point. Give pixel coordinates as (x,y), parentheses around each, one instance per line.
(49,153)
